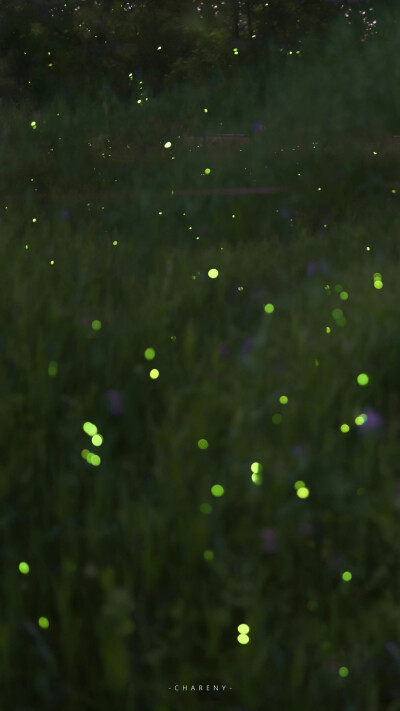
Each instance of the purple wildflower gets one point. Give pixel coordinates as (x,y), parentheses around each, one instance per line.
(247,345)
(316,266)
(114,399)
(374,420)
(306,529)
(298,450)
(64,214)
(269,540)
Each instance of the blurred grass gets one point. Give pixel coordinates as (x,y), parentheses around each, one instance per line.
(116,551)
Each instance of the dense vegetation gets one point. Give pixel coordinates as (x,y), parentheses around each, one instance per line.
(200,394)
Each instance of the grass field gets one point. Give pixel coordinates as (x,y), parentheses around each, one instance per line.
(200,402)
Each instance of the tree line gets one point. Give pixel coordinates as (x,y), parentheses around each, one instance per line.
(51,47)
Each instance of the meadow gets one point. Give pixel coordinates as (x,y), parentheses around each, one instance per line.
(200,394)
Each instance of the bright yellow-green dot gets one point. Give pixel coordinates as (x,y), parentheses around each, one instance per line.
(217,490)
(34,219)
(43,623)
(202,444)
(256,479)
(394,191)
(240,288)
(205,508)
(319,188)
(84,454)
(338,287)
(243,629)
(368,249)
(52,368)
(115,243)
(328,330)
(360,419)
(154,373)
(213,273)
(299,484)
(52,261)
(337,313)
(276,419)
(207,171)
(168,144)
(316,362)
(97,440)
(89,457)
(344,428)
(90,428)
(206,111)
(283,400)
(26,246)
(23,568)
(378,284)
(243,639)
(347,576)
(94,460)
(33,124)
(343,672)
(303,492)
(256,467)
(344,295)
(377,275)
(362,379)
(269,308)
(96,325)
(149,353)
(208,555)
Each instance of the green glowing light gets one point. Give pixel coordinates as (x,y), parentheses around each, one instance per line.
(362,379)
(23,568)
(168,144)
(52,368)
(84,454)
(96,325)
(344,428)
(338,287)
(243,639)
(337,313)
(347,576)
(276,419)
(202,444)
(256,467)
(205,508)
(378,276)
(97,440)
(328,330)
(344,295)
(303,492)
(154,373)
(217,490)
(360,419)
(378,284)
(256,479)
(149,353)
(33,124)
(90,428)
(269,308)
(243,629)
(343,672)
(283,400)
(213,273)
(208,555)
(115,243)
(43,623)
(299,484)
(207,171)
(94,460)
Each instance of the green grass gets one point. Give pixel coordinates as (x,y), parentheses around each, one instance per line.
(116,551)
